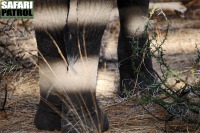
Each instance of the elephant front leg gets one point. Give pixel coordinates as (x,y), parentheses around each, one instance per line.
(50,106)
(80,109)
(49,23)
(135,63)
(84,30)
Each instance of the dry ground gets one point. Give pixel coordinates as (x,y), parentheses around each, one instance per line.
(124,115)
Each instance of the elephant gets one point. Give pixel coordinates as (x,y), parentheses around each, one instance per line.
(68,34)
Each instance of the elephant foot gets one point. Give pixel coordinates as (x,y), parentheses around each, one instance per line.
(83,115)
(78,121)
(47,116)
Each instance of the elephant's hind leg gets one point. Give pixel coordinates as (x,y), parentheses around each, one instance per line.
(136,71)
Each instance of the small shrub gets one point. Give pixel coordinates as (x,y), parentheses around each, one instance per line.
(180,104)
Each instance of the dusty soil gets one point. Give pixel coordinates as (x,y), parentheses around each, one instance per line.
(124,115)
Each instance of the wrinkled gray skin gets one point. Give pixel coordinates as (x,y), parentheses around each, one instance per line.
(67,82)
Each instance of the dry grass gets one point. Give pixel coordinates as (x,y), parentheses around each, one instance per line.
(125,116)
